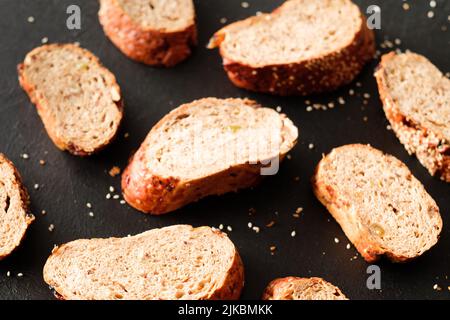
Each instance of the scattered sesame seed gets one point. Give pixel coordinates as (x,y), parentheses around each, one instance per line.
(20,274)
(91,214)
(116,196)
(220,226)
(348,246)
(307,102)
(311,146)
(258,13)
(278,109)
(336,240)
(25,156)
(273,248)
(126,135)
(366,95)
(8,274)
(245,4)
(299,210)
(433,3)
(42,162)
(437,287)
(341,101)
(250,225)
(30,19)
(223,20)
(256,229)
(365,118)
(323,253)
(51,227)
(111,189)
(36,186)
(122,201)
(43,212)
(389,127)
(351,92)
(114,171)
(398,41)
(88,205)
(229,228)
(293,233)
(331,105)
(406,6)
(270,224)
(44,40)
(289,157)
(108,196)
(309,109)
(430,14)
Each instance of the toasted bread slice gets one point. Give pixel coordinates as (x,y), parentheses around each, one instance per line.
(207,147)
(15,216)
(294,288)
(416,100)
(177,262)
(382,208)
(77,98)
(156,32)
(303,47)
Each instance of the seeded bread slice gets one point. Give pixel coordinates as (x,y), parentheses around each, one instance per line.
(15,216)
(154,32)
(77,98)
(294,288)
(416,100)
(382,208)
(177,262)
(303,47)
(206,147)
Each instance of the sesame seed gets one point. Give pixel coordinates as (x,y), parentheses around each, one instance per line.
(366,96)
(278,109)
(30,19)
(365,119)
(245,4)
(256,229)
(336,240)
(114,171)
(351,92)
(88,205)
(406,6)
(229,228)
(289,157)
(25,156)
(44,40)
(250,225)
(42,162)
(220,226)
(36,186)
(307,102)
(270,224)
(331,105)
(20,274)
(389,127)
(398,41)
(273,248)
(359,84)
(309,109)
(223,20)
(433,4)
(108,196)
(299,210)
(116,196)
(91,214)
(311,146)
(437,287)
(43,212)
(341,101)
(51,227)
(348,246)
(122,201)
(111,189)
(126,135)
(430,14)
(293,233)
(8,274)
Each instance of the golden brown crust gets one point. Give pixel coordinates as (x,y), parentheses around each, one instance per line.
(318,75)
(152,47)
(49,123)
(25,198)
(432,151)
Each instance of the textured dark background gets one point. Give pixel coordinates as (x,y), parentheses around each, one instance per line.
(67,183)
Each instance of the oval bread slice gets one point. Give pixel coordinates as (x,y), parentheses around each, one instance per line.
(77,98)
(382,208)
(294,288)
(416,100)
(15,216)
(177,262)
(303,47)
(155,32)
(207,147)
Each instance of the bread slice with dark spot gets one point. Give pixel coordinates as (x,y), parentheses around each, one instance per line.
(78,100)
(15,216)
(295,288)
(206,147)
(177,262)
(416,100)
(154,32)
(303,47)
(382,208)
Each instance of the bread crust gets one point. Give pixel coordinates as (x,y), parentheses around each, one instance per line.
(318,75)
(25,200)
(157,195)
(269,292)
(369,249)
(229,289)
(432,151)
(151,47)
(41,104)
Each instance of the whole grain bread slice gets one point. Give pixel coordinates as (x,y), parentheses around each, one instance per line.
(416,100)
(382,208)
(78,100)
(177,262)
(303,47)
(15,216)
(154,32)
(295,288)
(206,147)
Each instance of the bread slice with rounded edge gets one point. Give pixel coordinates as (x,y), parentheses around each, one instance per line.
(295,288)
(303,47)
(78,99)
(177,262)
(206,147)
(382,208)
(416,100)
(15,215)
(154,32)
